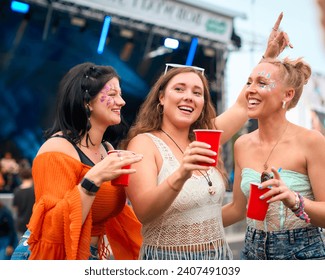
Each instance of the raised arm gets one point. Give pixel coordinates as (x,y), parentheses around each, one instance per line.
(236,116)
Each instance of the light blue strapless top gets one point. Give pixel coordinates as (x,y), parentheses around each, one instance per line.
(278,217)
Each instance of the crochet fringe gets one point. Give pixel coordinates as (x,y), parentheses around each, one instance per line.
(218,250)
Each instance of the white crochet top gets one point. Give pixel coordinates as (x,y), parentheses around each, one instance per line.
(193,220)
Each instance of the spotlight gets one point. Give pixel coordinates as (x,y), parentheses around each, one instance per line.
(19,7)
(191,53)
(158,52)
(209,52)
(126,33)
(76,21)
(103,36)
(171,43)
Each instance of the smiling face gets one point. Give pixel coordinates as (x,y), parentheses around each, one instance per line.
(106,106)
(265,90)
(183,99)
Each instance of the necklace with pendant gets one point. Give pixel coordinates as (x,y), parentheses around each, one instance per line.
(211,189)
(99,154)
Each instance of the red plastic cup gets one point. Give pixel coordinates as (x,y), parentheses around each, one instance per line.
(212,137)
(257,207)
(123,179)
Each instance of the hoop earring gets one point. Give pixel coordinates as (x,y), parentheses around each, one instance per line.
(160,109)
(284,104)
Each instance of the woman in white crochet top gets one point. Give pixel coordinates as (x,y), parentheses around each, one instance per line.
(177,200)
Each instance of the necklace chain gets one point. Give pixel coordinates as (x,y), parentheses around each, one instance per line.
(101,156)
(96,154)
(265,165)
(207,178)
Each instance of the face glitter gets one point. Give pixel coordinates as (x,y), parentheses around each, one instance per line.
(107,93)
(271,83)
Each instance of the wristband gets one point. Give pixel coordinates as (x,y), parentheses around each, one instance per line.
(300,212)
(297,203)
(89,187)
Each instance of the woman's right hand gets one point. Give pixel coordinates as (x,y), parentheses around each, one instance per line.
(195,153)
(111,166)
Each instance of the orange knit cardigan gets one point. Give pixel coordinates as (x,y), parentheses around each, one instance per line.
(57,232)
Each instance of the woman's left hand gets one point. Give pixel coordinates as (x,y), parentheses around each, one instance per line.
(279,190)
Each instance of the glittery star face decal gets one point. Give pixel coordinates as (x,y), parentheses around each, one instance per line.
(266,82)
(105,95)
(108,93)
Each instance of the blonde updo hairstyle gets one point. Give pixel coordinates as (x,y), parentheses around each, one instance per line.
(295,74)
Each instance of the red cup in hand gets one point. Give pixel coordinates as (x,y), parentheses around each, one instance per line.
(257,207)
(212,137)
(123,179)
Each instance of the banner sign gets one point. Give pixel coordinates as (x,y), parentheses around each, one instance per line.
(168,14)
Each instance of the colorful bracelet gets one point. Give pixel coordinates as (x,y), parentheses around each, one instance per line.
(300,212)
(297,203)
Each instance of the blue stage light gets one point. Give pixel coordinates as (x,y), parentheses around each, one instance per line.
(19,7)
(103,36)
(191,53)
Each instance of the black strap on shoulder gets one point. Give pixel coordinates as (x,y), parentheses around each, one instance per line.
(83,158)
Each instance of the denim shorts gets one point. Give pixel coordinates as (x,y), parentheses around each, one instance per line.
(22,251)
(295,244)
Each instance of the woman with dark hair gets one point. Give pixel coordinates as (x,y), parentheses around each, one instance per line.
(75,204)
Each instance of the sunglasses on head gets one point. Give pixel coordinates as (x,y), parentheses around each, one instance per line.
(173,65)
(265,176)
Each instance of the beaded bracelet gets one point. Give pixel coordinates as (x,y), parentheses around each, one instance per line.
(300,212)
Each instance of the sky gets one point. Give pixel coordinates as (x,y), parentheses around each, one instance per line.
(301,21)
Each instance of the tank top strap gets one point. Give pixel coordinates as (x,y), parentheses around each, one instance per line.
(164,150)
(83,158)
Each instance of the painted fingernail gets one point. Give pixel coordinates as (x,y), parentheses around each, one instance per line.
(262,197)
